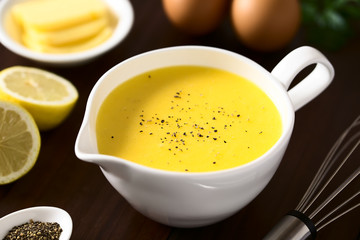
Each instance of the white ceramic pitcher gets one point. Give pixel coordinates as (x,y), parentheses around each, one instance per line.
(198,199)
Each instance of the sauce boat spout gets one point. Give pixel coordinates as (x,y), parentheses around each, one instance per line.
(85,145)
(86,150)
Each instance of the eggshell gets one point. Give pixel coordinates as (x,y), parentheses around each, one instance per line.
(195,16)
(265,25)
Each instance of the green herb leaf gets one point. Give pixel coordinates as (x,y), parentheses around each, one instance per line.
(328,22)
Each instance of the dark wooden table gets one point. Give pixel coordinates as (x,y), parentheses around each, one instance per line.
(99,212)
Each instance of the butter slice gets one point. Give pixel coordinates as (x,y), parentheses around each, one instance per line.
(68,35)
(69,48)
(50,15)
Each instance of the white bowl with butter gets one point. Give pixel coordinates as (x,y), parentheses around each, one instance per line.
(122,17)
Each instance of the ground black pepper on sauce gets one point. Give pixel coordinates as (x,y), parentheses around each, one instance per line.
(201,131)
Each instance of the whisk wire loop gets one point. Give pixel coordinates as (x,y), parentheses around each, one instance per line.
(293,226)
(326,166)
(318,223)
(340,188)
(319,176)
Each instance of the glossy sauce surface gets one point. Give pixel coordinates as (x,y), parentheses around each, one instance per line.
(187,118)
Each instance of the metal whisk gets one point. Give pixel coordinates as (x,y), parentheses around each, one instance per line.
(308,217)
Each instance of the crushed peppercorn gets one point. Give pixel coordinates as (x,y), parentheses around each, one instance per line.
(35,230)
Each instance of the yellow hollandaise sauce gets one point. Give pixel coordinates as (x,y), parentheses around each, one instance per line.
(187,119)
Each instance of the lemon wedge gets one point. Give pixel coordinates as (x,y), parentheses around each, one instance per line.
(48,97)
(19,142)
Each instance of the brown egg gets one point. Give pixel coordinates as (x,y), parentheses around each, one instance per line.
(265,25)
(195,16)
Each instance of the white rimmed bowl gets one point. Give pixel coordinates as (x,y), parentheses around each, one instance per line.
(198,199)
(42,214)
(121,9)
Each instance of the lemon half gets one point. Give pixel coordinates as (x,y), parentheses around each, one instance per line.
(19,142)
(48,97)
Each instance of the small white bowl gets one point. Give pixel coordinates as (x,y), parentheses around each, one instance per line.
(42,214)
(121,9)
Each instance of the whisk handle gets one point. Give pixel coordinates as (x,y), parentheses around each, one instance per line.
(293,226)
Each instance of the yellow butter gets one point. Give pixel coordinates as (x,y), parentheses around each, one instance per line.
(69,35)
(102,36)
(50,15)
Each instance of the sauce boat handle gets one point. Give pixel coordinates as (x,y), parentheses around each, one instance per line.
(313,84)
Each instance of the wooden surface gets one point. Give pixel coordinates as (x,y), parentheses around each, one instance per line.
(99,212)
